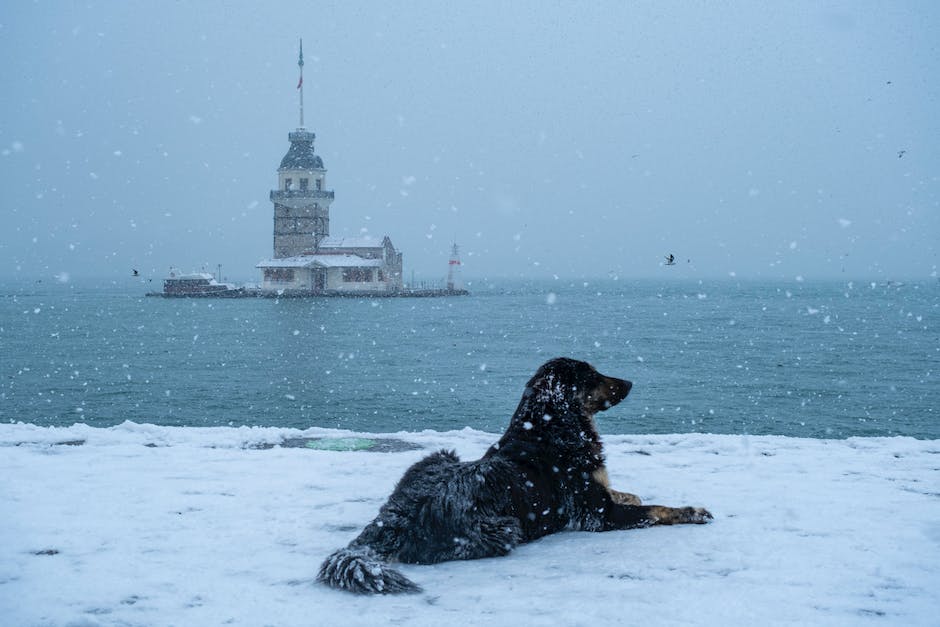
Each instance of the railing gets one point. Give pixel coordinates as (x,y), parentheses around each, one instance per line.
(281,194)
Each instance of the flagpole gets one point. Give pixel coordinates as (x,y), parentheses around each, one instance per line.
(300,83)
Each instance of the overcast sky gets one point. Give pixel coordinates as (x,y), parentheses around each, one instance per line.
(766,140)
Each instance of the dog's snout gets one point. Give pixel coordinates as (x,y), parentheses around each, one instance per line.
(620,388)
(610,392)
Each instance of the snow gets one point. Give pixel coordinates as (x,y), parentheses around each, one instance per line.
(146,525)
(325,261)
(362,241)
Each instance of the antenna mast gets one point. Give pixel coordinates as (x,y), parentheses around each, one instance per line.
(300,83)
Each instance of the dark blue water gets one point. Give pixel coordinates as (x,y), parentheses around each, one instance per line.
(801,358)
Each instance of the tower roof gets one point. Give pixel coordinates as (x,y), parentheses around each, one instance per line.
(300,155)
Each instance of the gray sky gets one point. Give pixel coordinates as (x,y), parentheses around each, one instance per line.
(571,139)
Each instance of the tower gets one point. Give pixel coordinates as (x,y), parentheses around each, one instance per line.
(301,200)
(453,269)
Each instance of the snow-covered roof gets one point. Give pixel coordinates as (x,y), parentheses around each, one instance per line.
(363,241)
(190,275)
(300,155)
(321,261)
(347,261)
(300,261)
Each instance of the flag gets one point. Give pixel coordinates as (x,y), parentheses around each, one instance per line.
(300,82)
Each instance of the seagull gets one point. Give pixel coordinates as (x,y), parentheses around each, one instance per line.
(670,259)
(901,153)
(136,273)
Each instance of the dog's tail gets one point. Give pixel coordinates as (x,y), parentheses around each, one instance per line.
(359,570)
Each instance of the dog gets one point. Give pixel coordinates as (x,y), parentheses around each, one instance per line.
(546,474)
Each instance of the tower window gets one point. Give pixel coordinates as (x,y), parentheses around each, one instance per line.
(288,183)
(303,184)
(319,184)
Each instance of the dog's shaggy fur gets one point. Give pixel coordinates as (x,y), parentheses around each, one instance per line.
(546,474)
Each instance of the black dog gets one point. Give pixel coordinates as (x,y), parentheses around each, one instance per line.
(546,474)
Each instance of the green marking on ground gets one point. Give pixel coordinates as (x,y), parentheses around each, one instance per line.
(341,444)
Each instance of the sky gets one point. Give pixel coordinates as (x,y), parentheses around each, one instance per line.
(796,140)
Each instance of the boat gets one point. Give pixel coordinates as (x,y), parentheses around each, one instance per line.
(197,284)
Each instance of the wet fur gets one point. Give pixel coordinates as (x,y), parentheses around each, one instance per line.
(545,474)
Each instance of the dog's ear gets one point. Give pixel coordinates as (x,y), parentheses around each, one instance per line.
(552,382)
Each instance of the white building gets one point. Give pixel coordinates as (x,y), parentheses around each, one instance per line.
(336,266)
(306,259)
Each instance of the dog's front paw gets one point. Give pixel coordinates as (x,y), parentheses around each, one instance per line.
(624,498)
(659,515)
(696,515)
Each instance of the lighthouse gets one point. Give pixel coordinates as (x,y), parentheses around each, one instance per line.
(453,270)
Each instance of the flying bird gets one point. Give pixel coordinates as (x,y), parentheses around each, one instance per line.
(670,259)
(901,153)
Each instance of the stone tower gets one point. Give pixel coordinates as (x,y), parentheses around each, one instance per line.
(301,200)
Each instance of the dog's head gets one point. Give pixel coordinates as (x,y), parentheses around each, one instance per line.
(565,386)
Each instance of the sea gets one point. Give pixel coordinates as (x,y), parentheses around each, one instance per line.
(814,359)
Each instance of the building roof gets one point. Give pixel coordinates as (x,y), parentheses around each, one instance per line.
(321,261)
(300,155)
(175,274)
(364,241)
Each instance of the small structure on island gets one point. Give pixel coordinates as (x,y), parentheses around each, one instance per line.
(306,259)
(454,282)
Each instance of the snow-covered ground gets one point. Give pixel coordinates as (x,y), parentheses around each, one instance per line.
(145,525)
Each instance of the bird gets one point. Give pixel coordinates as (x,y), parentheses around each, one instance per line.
(901,153)
(670,259)
(136,273)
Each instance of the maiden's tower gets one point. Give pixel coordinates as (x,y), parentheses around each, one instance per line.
(307,260)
